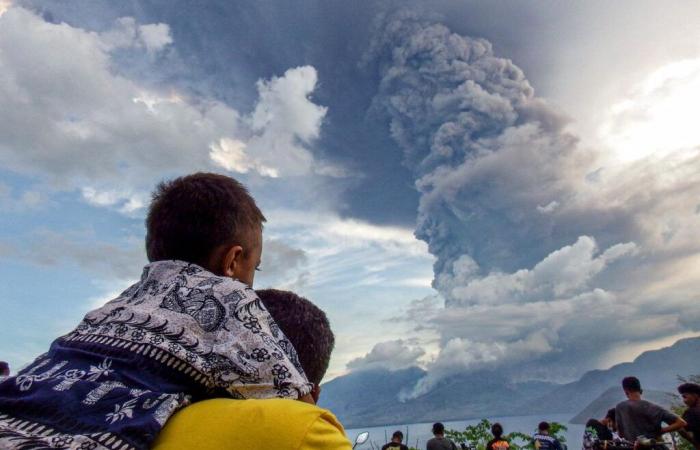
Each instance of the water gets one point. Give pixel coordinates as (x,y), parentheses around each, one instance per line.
(419,433)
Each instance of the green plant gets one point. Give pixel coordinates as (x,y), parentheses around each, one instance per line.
(477,436)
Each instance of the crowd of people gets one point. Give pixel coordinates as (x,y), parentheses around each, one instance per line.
(633,424)
(164,364)
(639,423)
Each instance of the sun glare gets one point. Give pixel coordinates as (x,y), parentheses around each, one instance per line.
(4,6)
(660,117)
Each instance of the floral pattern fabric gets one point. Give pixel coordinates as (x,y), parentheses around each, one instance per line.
(180,334)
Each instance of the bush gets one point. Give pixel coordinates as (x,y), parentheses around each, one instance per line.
(477,436)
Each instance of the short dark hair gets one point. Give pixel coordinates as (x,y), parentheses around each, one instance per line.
(397,435)
(438,428)
(497,430)
(689,388)
(307,328)
(610,414)
(543,426)
(4,368)
(189,217)
(631,384)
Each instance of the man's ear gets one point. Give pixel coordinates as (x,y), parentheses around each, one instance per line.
(232,257)
(316,392)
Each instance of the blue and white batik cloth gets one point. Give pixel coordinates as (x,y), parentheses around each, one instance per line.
(181,334)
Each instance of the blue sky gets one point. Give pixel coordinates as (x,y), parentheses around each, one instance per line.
(458,184)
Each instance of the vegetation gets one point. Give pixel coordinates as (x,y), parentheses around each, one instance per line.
(477,436)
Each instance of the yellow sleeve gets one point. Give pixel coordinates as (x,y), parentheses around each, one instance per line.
(325,433)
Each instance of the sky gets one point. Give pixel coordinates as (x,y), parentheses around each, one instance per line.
(459,185)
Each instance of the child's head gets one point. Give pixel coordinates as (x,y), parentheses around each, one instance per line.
(206,219)
(307,328)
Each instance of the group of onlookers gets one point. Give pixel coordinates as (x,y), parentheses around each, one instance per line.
(643,423)
(634,423)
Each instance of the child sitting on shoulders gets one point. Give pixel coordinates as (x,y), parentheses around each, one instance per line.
(191,328)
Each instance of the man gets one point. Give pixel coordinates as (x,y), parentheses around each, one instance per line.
(636,417)
(440,442)
(396,442)
(278,424)
(543,441)
(598,431)
(691,397)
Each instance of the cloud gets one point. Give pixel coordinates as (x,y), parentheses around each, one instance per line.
(391,355)
(515,210)
(105,261)
(80,125)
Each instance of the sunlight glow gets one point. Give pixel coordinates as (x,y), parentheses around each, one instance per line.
(4,6)
(659,117)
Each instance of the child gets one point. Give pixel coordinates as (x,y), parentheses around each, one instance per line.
(191,328)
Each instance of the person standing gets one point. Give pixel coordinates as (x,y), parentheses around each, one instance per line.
(396,442)
(440,442)
(543,441)
(691,397)
(636,417)
(497,443)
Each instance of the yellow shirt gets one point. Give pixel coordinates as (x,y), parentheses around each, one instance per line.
(275,424)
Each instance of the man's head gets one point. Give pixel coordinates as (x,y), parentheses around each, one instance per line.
(609,419)
(397,437)
(631,386)
(438,429)
(543,427)
(4,369)
(307,329)
(497,430)
(690,393)
(206,219)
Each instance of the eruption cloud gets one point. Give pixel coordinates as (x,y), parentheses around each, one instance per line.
(497,172)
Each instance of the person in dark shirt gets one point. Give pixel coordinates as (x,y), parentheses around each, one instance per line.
(543,441)
(497,443)
(691,397)
(639,418)
(395,443)
(440,442)
(599,430)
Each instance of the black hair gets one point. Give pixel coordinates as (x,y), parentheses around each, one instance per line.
(4,368)
(689,388)
(497,430)
(610,414)
(397,435)
(631,384)
(307,328)
(191,216)
(543,426)
(438,428)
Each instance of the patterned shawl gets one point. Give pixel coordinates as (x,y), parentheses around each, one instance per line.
(179,335)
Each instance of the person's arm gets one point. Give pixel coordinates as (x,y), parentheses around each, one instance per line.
(675,426)
(674,422)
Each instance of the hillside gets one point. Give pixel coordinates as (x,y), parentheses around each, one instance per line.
(657,370)
(370,398)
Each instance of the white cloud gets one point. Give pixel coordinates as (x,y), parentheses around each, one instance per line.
(391,355)
(79,124)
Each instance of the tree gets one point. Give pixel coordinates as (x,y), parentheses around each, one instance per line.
(477,436)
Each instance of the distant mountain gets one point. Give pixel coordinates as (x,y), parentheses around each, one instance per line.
(656,369)
(611,397)
(370,398)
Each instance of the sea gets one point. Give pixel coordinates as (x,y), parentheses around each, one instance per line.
(419,433)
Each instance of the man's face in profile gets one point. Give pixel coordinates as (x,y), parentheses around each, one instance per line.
(690,400)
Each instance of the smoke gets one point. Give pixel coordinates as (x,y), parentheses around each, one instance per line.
(514,211)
